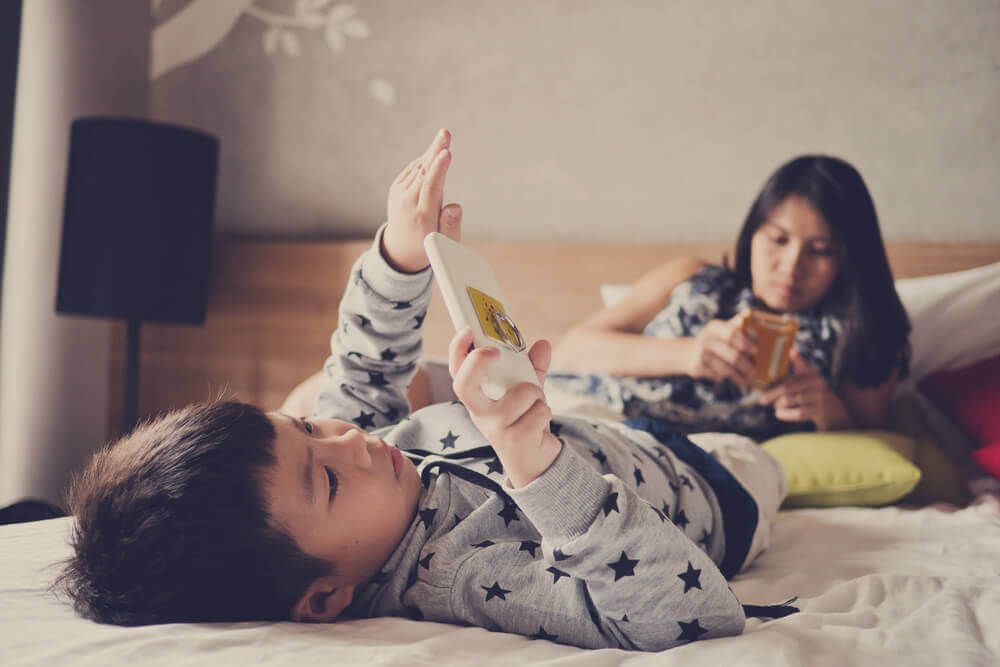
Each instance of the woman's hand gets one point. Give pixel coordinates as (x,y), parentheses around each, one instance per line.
(516,425)
(722,351)
(805,396)
(414,208)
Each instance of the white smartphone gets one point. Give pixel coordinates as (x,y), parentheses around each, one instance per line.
(473,298)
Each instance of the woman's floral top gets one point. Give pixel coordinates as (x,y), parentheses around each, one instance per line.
(696,405)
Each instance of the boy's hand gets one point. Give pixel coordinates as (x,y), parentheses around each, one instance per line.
(516,425)
(414,208)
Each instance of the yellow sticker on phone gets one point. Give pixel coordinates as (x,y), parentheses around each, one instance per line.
(495,321)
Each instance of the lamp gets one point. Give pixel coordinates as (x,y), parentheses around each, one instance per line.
(137,228)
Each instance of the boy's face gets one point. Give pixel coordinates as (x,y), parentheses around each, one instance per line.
(343,495)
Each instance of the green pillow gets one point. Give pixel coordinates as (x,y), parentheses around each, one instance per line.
(867,468)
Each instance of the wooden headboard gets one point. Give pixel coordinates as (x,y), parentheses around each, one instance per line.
(273,306)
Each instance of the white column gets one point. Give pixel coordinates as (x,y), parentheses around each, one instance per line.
(76,59)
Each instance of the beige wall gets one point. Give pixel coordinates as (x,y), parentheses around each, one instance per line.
(588,119)
(75,59)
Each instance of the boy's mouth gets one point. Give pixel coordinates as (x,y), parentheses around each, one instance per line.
(397,460)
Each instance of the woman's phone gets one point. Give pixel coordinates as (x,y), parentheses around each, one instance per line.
(473,298)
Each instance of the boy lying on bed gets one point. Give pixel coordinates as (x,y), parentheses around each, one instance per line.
(487,513)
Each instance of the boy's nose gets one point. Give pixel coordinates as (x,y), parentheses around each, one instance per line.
(356,442)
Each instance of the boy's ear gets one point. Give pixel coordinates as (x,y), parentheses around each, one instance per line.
(322,602)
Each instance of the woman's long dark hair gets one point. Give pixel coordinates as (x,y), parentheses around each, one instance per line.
(876,327)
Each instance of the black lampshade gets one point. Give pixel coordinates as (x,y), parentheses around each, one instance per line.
(137,228)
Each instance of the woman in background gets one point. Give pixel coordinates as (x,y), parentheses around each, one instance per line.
(675,349)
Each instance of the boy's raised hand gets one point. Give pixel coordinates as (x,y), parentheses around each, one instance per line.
(415,207)
(517,424)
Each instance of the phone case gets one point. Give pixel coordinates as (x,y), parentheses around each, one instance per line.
(473,298)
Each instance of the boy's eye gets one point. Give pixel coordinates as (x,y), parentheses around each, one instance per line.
(332,478)
(306,425)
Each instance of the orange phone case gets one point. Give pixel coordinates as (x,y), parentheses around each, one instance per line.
(775,335)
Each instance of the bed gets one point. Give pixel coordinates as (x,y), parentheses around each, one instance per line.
(910,585)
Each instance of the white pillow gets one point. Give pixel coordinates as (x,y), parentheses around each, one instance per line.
(955,317)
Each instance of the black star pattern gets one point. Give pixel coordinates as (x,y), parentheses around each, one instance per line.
(665,509)
(448,441)
(363,321)
(426,517)
(419,319)
(690,631)
(425,562)
(495,591)
(639,479)
(529,546)
(388,354)
(559,555)
(483,544)
(458,519)
(391,414)
(681,520)
(690,578)
(611,504)
(624,567)
(686,481)
(705,538)
(599,455)
(494,466)
(365,420)
(541,634)
(624,618)
(377,379)
(508,514)
(556,573)
(659,514)
(554,428)
(402,305)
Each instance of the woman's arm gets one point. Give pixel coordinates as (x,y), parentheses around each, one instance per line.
(869,406)
(807,396)
(611,340)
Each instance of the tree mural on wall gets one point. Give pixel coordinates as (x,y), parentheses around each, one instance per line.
(201,25)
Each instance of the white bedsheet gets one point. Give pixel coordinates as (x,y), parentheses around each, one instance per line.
(876,587)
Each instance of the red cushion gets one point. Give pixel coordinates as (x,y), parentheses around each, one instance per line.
(988,458)
(970,396)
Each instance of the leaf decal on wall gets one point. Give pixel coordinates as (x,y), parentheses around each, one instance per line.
(192,32)
(202,24)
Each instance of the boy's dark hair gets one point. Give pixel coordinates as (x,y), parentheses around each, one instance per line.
(172,525)
(877,328)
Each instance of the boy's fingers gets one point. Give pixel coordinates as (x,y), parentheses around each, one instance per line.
(441,140)
(541,356)
(432,189)
(468,381)
(458,349)
(407,171)
(450,222)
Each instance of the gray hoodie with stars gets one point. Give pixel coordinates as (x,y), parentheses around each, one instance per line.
(616,545)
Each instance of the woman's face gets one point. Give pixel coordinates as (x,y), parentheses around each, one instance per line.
(793,258)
